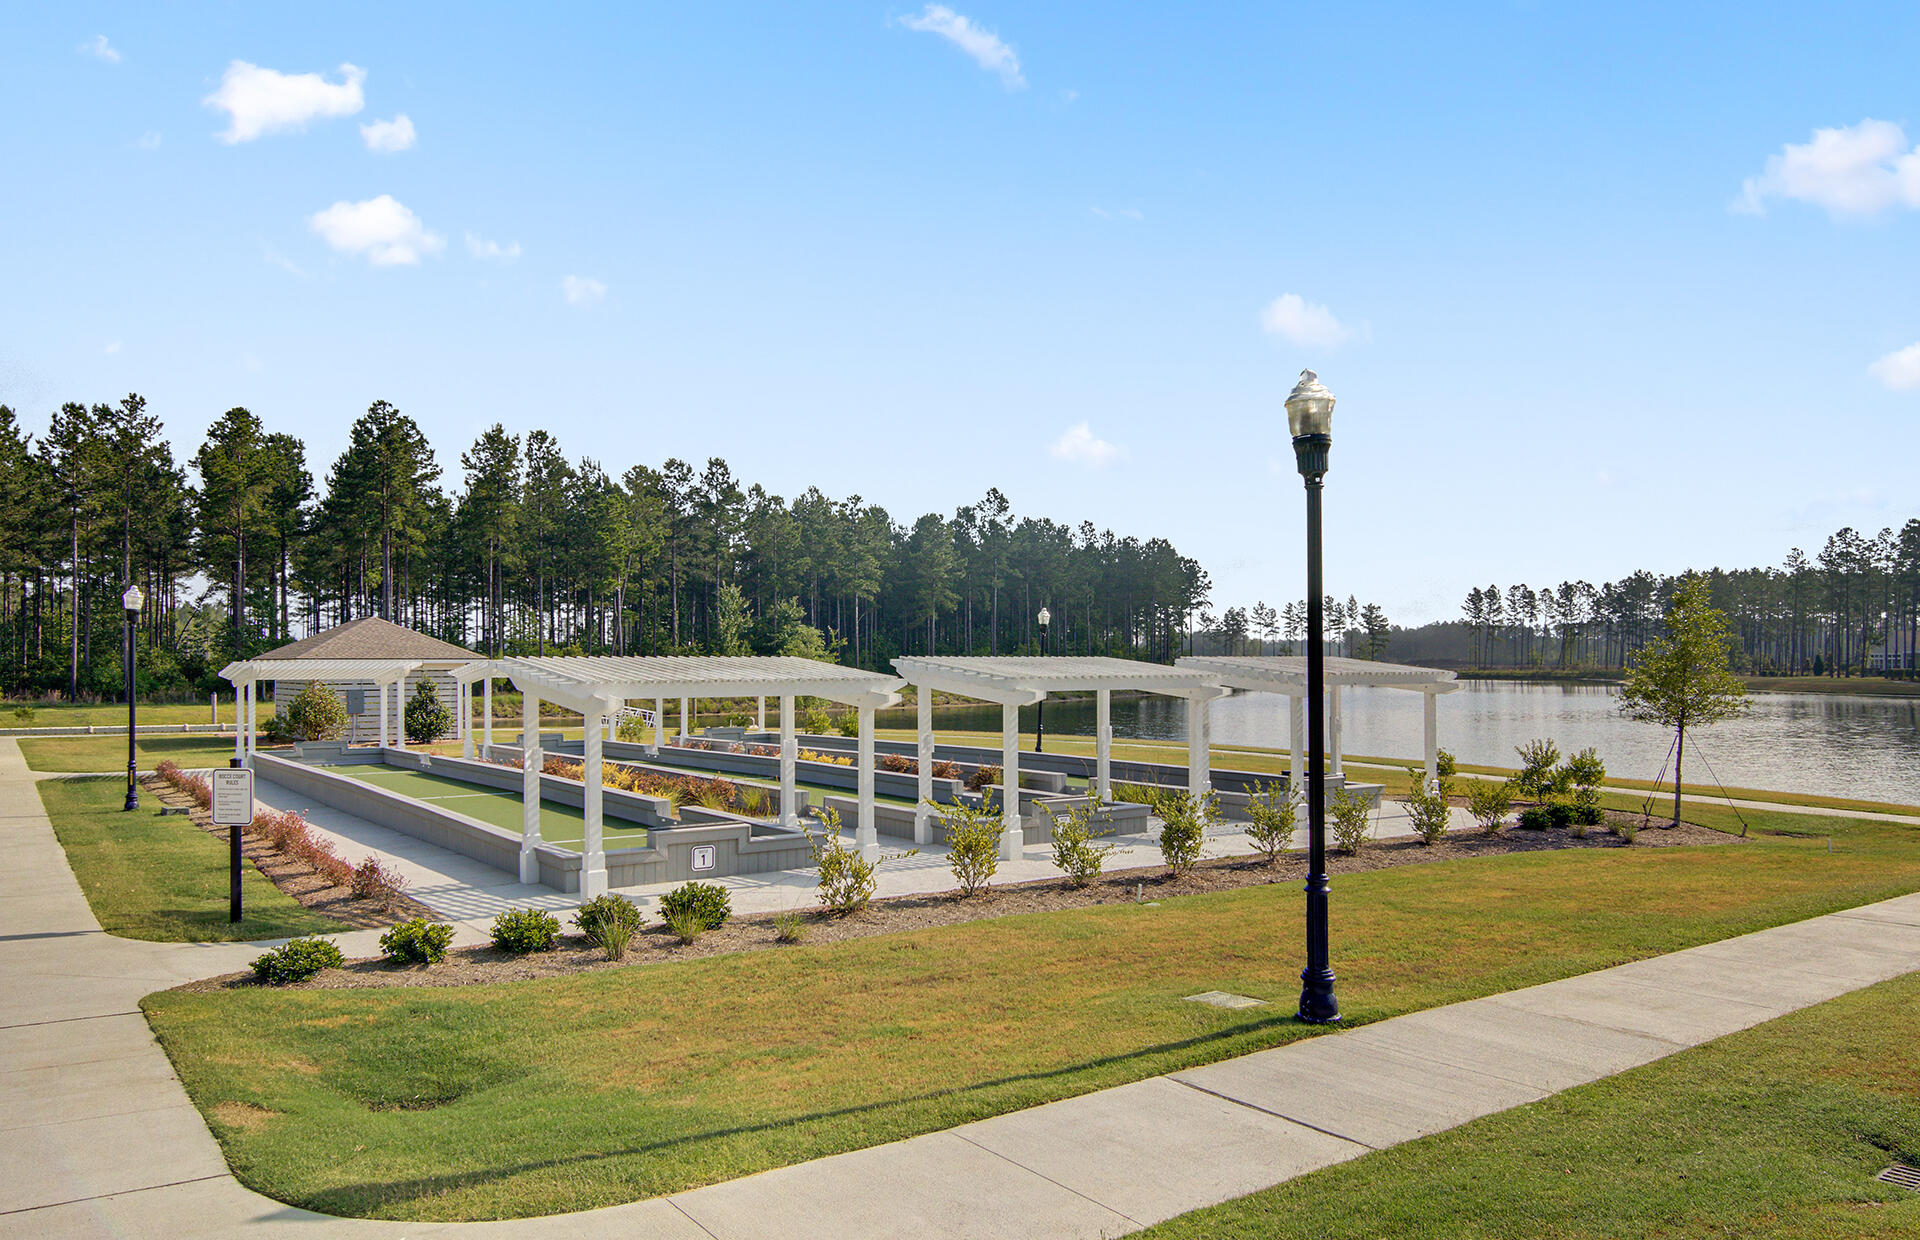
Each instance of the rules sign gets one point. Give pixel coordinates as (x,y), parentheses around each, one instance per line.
(232,797)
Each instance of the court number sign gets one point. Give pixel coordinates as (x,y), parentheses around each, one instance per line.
(703,857)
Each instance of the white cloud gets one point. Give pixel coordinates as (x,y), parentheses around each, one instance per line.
(1295,319)
(387,233)
(388,136)
(1853,170)
(1899,370)
(100,49)
(480,247)
(986,48)
(260,101)
(149,141)
(582,290)
(1080,445)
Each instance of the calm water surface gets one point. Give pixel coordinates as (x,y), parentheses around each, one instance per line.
(1791,742)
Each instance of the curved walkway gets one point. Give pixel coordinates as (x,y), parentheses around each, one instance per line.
(104,1143)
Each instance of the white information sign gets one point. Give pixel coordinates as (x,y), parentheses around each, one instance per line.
(232,797)
(702,857)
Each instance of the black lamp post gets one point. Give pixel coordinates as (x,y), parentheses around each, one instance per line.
(1310,417)
(1040,711)
(131,600)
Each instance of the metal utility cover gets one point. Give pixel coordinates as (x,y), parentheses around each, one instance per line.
(1220,998)
(1901,1176)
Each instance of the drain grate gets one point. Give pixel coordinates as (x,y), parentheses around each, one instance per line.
(1901,1176)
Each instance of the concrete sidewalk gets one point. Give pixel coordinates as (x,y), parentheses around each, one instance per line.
(105,1143)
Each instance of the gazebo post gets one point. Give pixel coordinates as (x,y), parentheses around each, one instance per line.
(659,724)
(866,837)
(1103,746)
(1431,722)
(529,785)
(1296,739)
(789,812)
(381,686)
(400,712)
(683,718)
(1011,841)
(1334,768)
(486,718)
(760,713)
(593,854)
(1199,742)
(923,805)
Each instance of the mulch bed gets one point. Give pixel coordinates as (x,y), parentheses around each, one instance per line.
(655,944)
(295,878)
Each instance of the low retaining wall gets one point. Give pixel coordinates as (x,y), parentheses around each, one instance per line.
(120,729)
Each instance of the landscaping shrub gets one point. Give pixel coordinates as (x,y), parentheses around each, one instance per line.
(1351,815)
(1073,848)
(316,713)
(686,925)
(1626,829)
(1559,813)
(831,759)
(846,878)
(1444,764)
(1538,758)
(848,723)
(789,927)
(1489,803)
(23,716)
(1426,807)
(1585,772)
(296,961)
(707,901)
(973,845)
(899,764)
(946,770)
(982,777)
(1136,794)
(609,922)
(418,941)
(1273,811)
(1535,818)
(526,930)
(372,880)
(816,720)
(1183,830)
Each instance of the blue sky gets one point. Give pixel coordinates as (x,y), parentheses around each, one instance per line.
(1590,291)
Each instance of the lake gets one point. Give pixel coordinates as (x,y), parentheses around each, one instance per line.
(1790,742)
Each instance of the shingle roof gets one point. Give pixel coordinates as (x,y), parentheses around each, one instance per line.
(370,637)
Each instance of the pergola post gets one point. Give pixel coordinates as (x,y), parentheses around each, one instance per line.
(529,785)
(1296,741)
(1431,723)
(923,805)
(1011,841)
(486,718)
(659,724)
(239,721)
(789,812)
(1199,743)
(760,713)
(683,718)
(466,718)
(866,836)
(253,689)
(1103,746)
(400,712)
(1334,769)
(593,854)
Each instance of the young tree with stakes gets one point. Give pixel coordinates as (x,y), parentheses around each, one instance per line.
(1681,679)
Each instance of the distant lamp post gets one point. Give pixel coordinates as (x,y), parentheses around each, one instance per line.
(1310,418)
(132,601)
(1040,711)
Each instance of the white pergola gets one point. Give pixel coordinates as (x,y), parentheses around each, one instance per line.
(1287,674)
(1017,681)
(382,674)
(597,685)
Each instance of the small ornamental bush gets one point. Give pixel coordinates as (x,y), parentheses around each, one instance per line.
(315,714)
(1183,831)
(1627,829)
(609,922)
(686,925)
(947,770)
(526,930)
(1489,803)
(982,777)
(1352,819)
(706,901)
(427,717)
(846,878)
(848,724)
(297,961)
(1535,818)
(899,764)
(1273,811)
(374,881)
(789,927)
(1426,807)
(418,941)
(816,720)
(1538,759)
(1444,764)
(23,716)
(1073,848)
(973,845)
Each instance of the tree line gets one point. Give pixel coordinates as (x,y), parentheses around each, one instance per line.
(1851,609)
(519,549)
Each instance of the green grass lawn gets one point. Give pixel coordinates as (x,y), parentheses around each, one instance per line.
(1774,1133)
(109,753)
(111,714)
(570,1093)
(149,877)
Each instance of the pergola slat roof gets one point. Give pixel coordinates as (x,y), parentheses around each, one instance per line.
(571,679)
(1024,680)
(1288,673)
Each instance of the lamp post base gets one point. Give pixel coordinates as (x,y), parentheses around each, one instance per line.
(1317,1004)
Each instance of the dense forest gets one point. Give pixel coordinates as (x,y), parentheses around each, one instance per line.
(1852,609)
(514,549)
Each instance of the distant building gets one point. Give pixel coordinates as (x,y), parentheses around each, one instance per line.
(373,638)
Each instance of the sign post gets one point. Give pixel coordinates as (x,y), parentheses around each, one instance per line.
(233,809)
